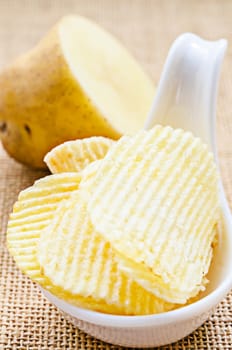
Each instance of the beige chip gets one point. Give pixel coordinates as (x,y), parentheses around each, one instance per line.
(155,200)
(35,208)
(75,155)
(73,256)
(32,212)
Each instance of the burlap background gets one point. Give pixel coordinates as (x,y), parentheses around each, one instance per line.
(147,28)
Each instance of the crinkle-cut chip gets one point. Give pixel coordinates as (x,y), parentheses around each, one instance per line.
(155,199)
(75,155)
(35,208)
(32,212)
(73,256)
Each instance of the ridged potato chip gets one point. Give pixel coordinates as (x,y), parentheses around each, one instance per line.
(154,198)
(73,256)
(75,155)
(32,212)
(35,208)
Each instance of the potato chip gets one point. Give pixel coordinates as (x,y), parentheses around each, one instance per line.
(32,213)
(73,256)
(155,199)
(34,210)
(75,155)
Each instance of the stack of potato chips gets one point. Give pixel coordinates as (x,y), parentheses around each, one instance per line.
(122,227)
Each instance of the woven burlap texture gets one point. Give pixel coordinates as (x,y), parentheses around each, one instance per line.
(147,28)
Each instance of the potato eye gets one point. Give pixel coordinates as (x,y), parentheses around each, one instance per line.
(27,128)
(3,126)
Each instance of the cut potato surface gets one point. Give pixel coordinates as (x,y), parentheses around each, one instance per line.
(75,155)
(109,75)
(154,198)
(73,256)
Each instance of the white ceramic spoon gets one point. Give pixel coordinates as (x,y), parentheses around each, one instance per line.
(186,98)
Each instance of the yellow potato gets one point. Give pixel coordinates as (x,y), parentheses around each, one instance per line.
(74,257)
(79,81)
(75,155)
(155,200)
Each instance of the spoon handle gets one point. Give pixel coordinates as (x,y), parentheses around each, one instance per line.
(187,91)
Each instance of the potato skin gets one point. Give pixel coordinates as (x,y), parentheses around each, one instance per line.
(42,105)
